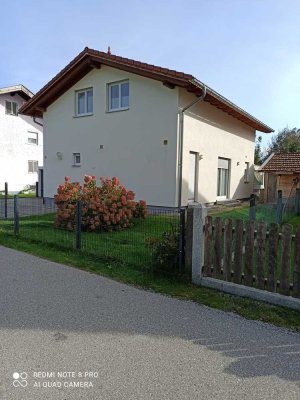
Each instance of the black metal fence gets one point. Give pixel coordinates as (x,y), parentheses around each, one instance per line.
(140,245)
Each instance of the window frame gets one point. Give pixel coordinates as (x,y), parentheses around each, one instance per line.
(85,91)
(108,90)
(75,163)
(33,163)
(37,138)
(11,108)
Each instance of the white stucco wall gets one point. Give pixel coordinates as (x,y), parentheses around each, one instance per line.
(15,151)
(212,133)
(132,139)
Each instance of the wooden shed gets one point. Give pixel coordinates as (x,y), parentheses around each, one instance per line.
(281,172)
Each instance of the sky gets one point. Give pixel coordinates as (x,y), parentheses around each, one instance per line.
(247,50)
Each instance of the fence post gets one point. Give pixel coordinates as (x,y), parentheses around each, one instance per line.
(297,202)
(181,239)
(5,198)
(252,210)
(279,208)
(16,215)
(196,214)
(78,225)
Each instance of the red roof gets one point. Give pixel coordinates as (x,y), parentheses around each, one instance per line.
(283,162)
(89,59)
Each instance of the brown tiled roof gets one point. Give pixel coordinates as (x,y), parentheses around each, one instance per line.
(283,162)
(89,59)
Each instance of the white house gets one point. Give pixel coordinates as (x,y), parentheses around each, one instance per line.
(166,135)
(21,140)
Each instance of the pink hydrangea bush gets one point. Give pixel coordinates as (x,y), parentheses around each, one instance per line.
(107,207)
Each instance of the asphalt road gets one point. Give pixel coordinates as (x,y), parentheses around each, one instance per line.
(119,342)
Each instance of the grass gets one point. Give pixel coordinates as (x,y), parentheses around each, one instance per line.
(127,246)
(118,256)
(20,195)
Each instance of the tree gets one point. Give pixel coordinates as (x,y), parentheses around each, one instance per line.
(286,141)
(258,153)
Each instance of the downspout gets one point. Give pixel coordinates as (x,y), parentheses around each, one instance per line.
(181,112)
(36,122)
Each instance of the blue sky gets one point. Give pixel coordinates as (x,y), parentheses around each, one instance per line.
(247,50)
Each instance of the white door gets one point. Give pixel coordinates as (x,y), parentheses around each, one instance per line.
(192,195)
(223,178)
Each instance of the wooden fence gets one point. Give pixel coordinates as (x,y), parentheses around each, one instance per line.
(245,252)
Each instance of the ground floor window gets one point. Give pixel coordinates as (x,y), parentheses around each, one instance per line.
(32,166)
(223,177)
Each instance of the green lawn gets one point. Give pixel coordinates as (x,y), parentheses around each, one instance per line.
(125,247)
(123,256)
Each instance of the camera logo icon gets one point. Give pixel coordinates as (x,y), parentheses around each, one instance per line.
(20,380)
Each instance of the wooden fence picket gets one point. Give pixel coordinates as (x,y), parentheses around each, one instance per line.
(296,277)
(218,247)
(272,256)
(286,237)
(238,252)
(249,251)
(227,249)
(260,255)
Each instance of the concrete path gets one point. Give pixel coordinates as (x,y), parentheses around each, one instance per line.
(119,342)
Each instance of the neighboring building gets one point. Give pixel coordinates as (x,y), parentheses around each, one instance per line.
(106,115)
(21,141)
(282,172)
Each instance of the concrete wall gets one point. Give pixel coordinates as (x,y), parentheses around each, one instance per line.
(15,149)
(213,133)
(132,140)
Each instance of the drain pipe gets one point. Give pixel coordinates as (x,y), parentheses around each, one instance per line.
(181,112)
(37,122)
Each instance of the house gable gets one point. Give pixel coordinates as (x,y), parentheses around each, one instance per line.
(89,59)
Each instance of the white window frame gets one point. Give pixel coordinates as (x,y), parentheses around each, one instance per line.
(109,86)
(11,107)
(33,163)
(75,162)
(246,172)
(84,114)
(34,143)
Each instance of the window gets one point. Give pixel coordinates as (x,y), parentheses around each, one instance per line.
(32,166)
(32,138)
(246,173)
(84,102)
(118,96)
(223,177)
(11,108)
(76,159)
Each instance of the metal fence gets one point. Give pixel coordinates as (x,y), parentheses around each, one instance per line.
(33,220)
(281,211)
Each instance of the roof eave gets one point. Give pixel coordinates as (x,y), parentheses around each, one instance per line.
(249,119)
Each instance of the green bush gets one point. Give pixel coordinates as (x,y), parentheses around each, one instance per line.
(165,251)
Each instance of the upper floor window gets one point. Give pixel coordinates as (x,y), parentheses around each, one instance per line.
(84,102)
(32,138)
(11,107)
(118,96)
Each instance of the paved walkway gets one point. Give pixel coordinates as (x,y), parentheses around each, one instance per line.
(128,343)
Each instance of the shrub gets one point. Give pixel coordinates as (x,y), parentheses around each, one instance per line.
(107,207)
(165,252)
